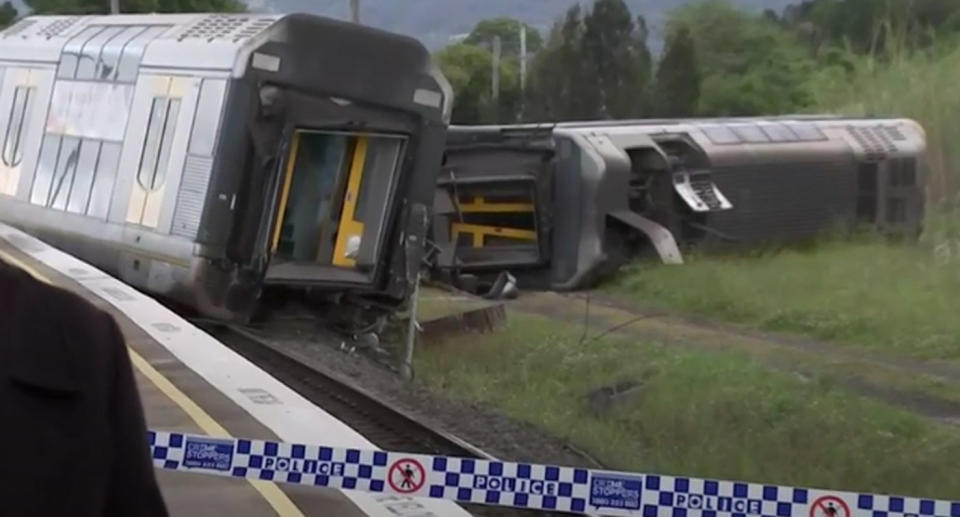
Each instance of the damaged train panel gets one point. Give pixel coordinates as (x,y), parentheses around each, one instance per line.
(563,205)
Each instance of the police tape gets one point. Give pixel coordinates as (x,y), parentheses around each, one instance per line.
(519,485)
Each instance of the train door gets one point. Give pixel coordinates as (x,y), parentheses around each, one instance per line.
(23,92)
(334,200)
(158,134)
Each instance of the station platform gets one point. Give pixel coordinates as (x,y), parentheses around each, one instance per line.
(191,383)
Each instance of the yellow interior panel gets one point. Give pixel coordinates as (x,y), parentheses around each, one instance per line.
(285,192)
(348,225)
(481,232)
(479,205)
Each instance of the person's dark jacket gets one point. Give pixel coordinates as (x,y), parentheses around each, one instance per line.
(72,432)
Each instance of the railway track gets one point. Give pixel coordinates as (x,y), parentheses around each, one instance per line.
(386,426)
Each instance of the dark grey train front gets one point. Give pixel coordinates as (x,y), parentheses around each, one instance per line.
(214,159)
(560,206)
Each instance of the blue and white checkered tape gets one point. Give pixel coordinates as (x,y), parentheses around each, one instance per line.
(519,485)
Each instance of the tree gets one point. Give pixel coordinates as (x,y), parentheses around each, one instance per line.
(593,66)
(748,65)
(616,54)
(509,31)
(560,88)
(469,69)
(677,87)
(871,25)
(8,14)
(134,6)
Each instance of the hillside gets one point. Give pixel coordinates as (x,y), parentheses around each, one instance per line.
(435,21)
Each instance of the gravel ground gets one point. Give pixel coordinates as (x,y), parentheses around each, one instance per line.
(482,427)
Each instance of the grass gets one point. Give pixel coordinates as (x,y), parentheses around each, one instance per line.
(894,299)
(902,83)
(718,414)
(699,414)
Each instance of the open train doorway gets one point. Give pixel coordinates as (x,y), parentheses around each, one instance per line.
(333,201)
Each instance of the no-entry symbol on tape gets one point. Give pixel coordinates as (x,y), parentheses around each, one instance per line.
(406,475)
(829,506)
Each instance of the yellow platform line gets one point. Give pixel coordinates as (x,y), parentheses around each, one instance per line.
(273,495)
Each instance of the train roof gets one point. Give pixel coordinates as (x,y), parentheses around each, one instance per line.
(721,131)
(172,41)
(652,125)
(808,136)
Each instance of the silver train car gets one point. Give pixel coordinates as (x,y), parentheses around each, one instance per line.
(562,205)
(216,159)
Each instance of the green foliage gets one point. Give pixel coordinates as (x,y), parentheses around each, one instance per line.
(509,31)
(615,55)
(834,292)
(748,65)
(678,76)
(134,6)
(469,69)
(921,85)
(593,66)
(868,26)
(559,88)
(7,14)
(763,425)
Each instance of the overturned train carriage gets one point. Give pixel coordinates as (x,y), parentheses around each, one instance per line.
(560,206)
(215,158)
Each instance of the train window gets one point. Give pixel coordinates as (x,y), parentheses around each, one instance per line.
(896,210)
(13,139)
(721,135)
(83,177)
(779,132)
(867,177)
(806,131)
(102,189)
(908,172)
(63,174)
(750,133)
(49,153)
(867,196)
(893,173)
(157,143)
(318,161)
(70,57)
(380,161)
(335,197)
(902,172)
(866,209)
(206,122)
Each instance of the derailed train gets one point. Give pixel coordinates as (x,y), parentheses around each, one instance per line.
(562,205)
(214,159)
(220,159)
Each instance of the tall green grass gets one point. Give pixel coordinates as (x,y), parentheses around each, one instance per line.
(891,299)
(922,85)
(693,413)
